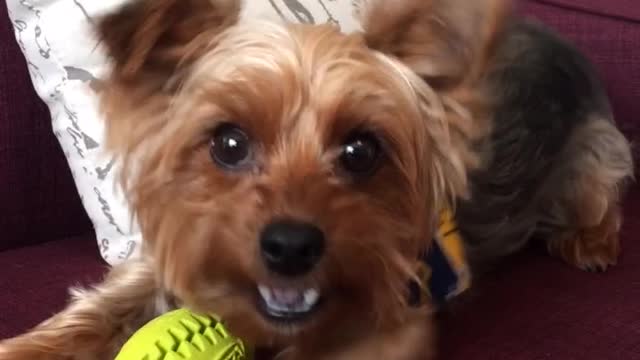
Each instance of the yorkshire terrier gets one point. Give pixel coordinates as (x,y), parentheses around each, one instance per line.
(287,177)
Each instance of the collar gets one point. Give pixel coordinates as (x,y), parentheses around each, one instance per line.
(443,271)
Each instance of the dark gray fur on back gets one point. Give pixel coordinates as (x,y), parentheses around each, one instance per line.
(543,92)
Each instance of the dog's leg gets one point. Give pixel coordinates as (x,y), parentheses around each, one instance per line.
(97,321)
(585,206)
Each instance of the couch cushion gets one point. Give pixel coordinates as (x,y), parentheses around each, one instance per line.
(626,9)
(35,279)
(536,307)
(38,200)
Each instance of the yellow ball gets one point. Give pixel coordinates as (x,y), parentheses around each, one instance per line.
(182,335)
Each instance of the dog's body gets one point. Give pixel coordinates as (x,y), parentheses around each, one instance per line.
(555,160)
(287,177)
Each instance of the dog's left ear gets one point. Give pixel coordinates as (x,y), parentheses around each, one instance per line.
(443,41)
(448,44)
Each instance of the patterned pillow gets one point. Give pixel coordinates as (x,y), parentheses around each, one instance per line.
(65,59)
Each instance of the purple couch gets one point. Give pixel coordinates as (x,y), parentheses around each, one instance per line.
(46,239)
(534,307)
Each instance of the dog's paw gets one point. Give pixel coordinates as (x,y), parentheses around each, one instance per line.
(589,250)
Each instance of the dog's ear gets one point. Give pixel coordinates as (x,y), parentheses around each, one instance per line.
(444,41)
(153,37)
(152,45)
(448,44)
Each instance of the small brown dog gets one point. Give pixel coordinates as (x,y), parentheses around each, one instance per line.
(287,177)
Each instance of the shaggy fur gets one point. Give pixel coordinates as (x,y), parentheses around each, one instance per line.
(472,109)
(557,163)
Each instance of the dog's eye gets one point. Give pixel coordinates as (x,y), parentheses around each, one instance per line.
(360,154)
(230,146)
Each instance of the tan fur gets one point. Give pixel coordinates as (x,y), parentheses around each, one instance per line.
(182,67)
(593,248)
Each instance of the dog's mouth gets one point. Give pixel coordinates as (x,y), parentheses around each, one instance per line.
(282,304)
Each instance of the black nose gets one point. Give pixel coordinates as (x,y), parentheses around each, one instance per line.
(291,248)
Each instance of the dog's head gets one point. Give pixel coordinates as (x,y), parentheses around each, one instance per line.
(287,177)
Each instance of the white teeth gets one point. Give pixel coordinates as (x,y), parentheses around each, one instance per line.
(264,292)
(287,300)
(311,297)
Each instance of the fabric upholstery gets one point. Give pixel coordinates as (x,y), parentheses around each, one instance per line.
(625,9)
(38,201)
(35,279)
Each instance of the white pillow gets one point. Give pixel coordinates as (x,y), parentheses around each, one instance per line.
(65,60)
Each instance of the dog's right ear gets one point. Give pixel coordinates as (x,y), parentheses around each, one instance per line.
(149,39)
(152,45)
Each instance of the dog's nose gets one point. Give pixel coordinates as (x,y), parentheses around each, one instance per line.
(291,248)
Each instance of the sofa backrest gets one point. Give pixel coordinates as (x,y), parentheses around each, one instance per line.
(38,199)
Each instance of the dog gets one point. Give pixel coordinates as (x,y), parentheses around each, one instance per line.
(287,177)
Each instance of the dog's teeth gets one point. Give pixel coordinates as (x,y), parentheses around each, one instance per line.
(265,292)
(289,300)
(311,297)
